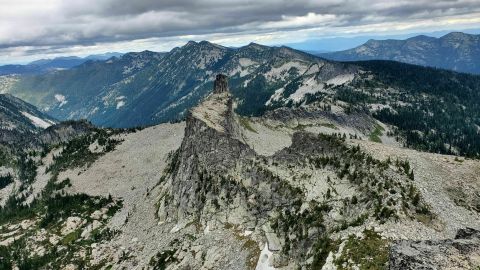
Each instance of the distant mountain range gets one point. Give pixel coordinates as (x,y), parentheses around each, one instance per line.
(45,65)
(433,110)
(455,51)
(334,44)
(148,87)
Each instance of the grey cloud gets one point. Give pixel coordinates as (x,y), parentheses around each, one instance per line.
(98,21)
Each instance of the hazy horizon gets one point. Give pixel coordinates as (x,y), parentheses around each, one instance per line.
(327,44)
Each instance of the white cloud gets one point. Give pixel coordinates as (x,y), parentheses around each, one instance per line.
(309,20)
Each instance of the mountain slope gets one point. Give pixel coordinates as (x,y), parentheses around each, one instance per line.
(147,88)
(211,193)
(432,110)
(455,51)
(76,93)
(46,65)
(20,116)
(58,63)
(24,128)
(19,69)
(426,108)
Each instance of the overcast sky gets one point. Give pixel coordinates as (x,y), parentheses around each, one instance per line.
(32,29)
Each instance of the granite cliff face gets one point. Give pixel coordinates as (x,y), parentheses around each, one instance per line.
(462,252)
(212,148)
(216,179)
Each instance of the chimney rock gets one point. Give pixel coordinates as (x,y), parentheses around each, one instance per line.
(221,84)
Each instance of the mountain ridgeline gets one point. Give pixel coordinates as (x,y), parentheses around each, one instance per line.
(428,109)
(296,188)
(58,63)
(147,88)
(455,51)
(24,128)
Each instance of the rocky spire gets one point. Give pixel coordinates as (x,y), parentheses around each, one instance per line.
(216,110)
(221,84)
(212,145)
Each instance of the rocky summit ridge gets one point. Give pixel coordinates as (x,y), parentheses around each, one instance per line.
(217,109)
(217,180)
(293,189)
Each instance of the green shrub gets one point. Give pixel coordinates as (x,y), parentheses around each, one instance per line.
(368,253)
(5,180)
(322,247)
(162,259)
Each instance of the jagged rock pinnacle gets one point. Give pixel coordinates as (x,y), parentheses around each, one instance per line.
(221,84)
(217,109)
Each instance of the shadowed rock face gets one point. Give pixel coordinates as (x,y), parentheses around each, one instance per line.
(463,252)
(221,84)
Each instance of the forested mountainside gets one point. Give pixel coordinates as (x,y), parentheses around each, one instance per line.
(436,110)
(147,88)
(293,189)
(432,110)
(17,116)
(455,51)
(429,109)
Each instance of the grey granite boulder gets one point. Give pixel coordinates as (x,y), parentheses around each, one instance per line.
(462,252)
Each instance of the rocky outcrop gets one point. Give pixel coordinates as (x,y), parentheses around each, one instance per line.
(214,174)
(211,148)
(221,84)
(217,110)
(216,180)
(64,131)
(360,121)
(463,252)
